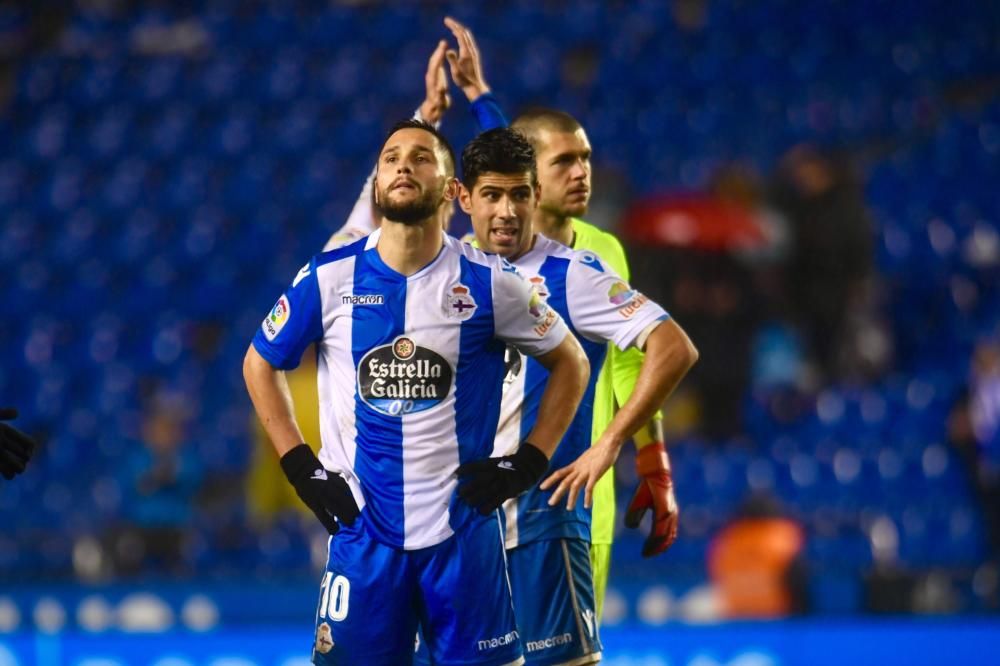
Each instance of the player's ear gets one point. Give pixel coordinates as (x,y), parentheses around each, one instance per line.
(375,189)
(538,194)
(465,199)
(451,188)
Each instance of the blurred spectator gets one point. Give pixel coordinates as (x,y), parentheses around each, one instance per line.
(159,482)
(756,563)
(705,256)
(831,259)
(974,430)
(268,492)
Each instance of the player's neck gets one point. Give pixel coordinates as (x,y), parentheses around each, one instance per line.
(555,226)
(525,250)
(406,248)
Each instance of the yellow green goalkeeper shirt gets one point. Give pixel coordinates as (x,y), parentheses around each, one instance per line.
(615,381)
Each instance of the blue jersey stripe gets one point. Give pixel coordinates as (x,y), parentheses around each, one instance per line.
(534,503)
(479,374)
(379,464)
(478,379)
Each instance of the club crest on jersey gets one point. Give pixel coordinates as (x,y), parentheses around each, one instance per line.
(277,318)
(459,303)
(402,378)
(324,638)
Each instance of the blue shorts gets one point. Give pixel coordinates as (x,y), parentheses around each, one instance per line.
(373,597)
(554,602)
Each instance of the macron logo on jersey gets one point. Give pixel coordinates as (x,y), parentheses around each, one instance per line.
(590,259)
(319,475)
(363,299)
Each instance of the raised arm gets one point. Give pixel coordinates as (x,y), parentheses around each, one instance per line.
(437,101)
(466,67)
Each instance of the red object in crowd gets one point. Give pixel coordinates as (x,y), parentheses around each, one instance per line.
(692,221)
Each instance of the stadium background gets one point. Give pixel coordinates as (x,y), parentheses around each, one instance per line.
(166,167)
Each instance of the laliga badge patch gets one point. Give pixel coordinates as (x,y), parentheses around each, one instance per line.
(537,307)
(324,639)
(459,303)
(277,318)
(537,282)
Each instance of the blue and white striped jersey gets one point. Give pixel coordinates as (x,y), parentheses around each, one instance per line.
(599,307)
(410,373)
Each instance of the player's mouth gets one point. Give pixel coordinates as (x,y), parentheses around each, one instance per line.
(403,184)
(578,193)
(504,235)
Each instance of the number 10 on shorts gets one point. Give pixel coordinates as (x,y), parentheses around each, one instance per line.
(333,600)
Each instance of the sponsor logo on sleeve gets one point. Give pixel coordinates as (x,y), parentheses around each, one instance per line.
(619,294)
(548,320)
(459,303)
(277,318)
(633,306)
(629,301)
(403,377)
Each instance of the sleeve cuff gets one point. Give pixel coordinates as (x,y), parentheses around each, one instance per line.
(269,354)
(486,110)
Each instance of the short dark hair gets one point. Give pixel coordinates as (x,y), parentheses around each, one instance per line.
(500,150)
(412,123)
(531,121)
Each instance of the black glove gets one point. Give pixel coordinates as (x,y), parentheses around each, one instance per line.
(15,447)
(326,493)
(487,484)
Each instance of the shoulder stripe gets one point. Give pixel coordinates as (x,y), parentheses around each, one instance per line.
(343,252)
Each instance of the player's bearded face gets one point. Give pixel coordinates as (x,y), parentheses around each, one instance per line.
(411,178)
(410,208)
(564,172)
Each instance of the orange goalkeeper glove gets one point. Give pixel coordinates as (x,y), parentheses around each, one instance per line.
(656,492)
